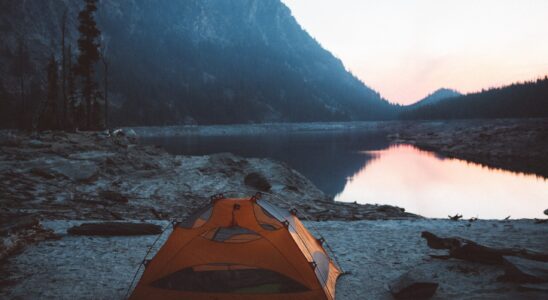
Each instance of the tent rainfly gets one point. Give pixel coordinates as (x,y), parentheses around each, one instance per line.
(239,248)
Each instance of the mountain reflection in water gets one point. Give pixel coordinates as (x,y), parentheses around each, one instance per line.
(433,186)
(361,166)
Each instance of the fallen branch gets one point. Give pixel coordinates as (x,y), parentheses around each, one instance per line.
(469,250)
(115,229)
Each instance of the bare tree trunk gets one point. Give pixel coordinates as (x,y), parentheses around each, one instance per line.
(63,68)
(87,94)
(23,104)
(105,62)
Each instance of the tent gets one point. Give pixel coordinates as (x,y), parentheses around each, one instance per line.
(239,248)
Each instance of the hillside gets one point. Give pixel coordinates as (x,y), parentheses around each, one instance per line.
(519,100)
(194,61)
(435,97)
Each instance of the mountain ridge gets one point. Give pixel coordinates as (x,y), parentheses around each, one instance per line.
(205,62)
(436,96)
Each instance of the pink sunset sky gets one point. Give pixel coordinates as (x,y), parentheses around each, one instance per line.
(406,49)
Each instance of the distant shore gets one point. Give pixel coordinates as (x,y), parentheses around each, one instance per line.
(517,145)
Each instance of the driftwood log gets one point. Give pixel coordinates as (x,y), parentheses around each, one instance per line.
(18,223)
(469,250)
(115,229)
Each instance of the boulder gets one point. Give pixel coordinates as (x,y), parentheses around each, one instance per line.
(77,170)
(413,285)
(546,212)
(115,229)
(519,269)
(113,196)
(125,136)
(257,181)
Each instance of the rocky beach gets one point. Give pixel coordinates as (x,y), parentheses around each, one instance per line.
(102,176)
(54,180)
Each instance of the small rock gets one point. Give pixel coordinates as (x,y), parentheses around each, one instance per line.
(546,212)
(413,285)
(115,229)
(42,173)
(38,144)
(257,181)
(113,196)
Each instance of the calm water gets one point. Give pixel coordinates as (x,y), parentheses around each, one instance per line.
(363,167)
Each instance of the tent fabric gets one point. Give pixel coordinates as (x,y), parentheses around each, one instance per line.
(239,248)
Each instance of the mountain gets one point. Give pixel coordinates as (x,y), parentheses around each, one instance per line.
(519,100)
(436,97)
(194,61)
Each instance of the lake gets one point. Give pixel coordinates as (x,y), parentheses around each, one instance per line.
(363,166)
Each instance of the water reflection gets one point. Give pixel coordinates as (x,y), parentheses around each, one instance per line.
(360,166)
(326,158)
(431,186)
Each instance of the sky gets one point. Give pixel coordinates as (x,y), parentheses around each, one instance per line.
(406,49)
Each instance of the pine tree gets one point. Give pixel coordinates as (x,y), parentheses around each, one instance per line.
(71,91)
(88,45)
(49,118)
(5,107)
(105,85)
(22,68)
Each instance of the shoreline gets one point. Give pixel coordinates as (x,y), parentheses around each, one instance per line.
(93,175)
(515,145)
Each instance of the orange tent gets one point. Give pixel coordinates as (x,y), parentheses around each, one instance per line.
(239,248)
